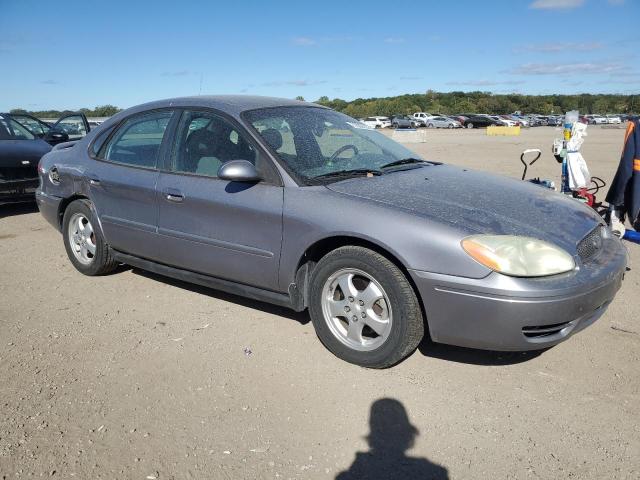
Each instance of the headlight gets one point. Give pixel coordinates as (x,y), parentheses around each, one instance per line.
(518,256)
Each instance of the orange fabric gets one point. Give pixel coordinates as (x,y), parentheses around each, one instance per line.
(630,128)
(636,165)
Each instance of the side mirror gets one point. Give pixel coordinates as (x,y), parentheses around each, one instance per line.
(55,136)
(239,171)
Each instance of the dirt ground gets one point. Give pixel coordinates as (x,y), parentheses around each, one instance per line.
(136,376)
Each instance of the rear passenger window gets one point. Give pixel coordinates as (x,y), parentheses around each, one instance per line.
(137,141)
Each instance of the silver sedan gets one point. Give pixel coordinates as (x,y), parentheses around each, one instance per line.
(442,122)
(302,206)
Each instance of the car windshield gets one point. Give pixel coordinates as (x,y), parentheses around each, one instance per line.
(314,142)
(12,130)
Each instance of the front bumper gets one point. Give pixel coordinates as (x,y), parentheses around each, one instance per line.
(507,313)
(16,191)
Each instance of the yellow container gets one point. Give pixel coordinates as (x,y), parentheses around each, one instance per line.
(510,131)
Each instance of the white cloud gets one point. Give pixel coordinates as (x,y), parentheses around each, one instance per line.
(565,68)
(556,4)
(304,41)
(559,47)
(394,40)
(297,83)
(486,83)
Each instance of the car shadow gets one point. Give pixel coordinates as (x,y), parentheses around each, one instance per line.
(474,356)
(300,317)
(391,435)
(427,347)
(13,209)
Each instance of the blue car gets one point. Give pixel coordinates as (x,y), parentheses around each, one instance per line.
(23,141)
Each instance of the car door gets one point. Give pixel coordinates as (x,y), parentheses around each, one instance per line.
(225,229)
(122,180)
(74,125)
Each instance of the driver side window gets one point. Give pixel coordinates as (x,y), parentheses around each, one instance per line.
(205,141)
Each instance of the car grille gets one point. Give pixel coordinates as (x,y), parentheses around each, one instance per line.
(590,245)
(539,331)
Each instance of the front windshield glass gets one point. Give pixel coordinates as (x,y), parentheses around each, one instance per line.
(315,142)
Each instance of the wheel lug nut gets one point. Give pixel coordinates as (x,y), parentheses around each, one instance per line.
(363,315)
(351,299)
(361,302)
(347,309)
(354,318)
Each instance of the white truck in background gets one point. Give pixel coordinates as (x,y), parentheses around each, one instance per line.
(422,118)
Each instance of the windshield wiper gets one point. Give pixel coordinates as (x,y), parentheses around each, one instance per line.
(340,174)
(404,161)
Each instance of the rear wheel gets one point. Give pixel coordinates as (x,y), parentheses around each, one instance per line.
(469,125)
(84,243)
(363,308)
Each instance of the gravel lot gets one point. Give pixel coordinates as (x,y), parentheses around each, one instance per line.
(136,376)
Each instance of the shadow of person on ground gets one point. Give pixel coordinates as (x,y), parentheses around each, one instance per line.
(390,437)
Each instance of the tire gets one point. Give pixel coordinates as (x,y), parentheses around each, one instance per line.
(399,323)
(449,126)
(80,241)
(469,125)
(430,125)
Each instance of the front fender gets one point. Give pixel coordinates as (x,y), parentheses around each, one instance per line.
(313,214)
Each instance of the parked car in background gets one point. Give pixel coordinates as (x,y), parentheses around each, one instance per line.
(237,205)
(403,121)
(20,151)
(596,119)
(534,121)
(443,122)
(613,119)
(458,118)
(422,117)
(505,120)
(377,122)
(480,121)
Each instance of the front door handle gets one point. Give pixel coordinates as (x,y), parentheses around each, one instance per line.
(93,179)
(173,195)
(174,198)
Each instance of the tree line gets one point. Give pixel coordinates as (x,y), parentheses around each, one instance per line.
(99,111)
(441,102)
(484,102)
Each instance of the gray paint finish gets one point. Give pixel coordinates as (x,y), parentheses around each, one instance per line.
(257,234)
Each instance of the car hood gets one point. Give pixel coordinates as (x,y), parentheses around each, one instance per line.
(478,202)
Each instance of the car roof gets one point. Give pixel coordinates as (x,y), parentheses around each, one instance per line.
(231,104)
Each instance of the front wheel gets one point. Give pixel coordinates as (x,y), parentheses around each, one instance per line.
(84,243)
(363,308)
(469,125)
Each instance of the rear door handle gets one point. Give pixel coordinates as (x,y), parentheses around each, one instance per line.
(173,195)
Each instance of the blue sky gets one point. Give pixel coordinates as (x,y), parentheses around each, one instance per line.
(81,54)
